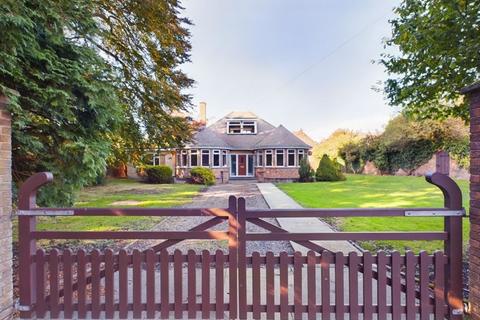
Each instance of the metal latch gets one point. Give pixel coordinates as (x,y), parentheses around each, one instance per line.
(457,312)
(435,213)
(40,212)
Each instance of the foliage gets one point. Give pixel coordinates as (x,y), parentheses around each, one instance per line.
(200,175)
(328,170)
(362,191)
(66,105)
(305,171)
(352,157)
(435,47)
(333,143)
(98,81)
(407,143)
(159,174)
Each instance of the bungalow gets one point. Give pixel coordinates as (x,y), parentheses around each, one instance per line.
(241,146)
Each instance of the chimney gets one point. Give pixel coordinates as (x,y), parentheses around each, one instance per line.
(203,113)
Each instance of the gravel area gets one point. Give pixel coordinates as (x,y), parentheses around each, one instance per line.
(217,197)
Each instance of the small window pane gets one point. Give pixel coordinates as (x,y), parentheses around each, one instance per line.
(193,158)
(279,158)
(291,158)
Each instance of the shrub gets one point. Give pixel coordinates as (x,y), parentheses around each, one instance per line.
(159,174)
(202,176)
(328,170)
(305,172)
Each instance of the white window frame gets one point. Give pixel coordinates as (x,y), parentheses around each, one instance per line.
(182,163)
(203,153)
(277,153)
(260,155)
(269,153)
(290,152)
(241,123)
(219,154)
(300,152)
(191,153)
(224,158)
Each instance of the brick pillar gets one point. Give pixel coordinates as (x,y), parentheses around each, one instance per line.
(473,95)
(6,290)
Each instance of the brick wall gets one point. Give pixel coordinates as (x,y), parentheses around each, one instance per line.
(277,174)
(6,290)
(473,94)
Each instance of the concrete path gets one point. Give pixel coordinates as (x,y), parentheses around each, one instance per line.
(277,199)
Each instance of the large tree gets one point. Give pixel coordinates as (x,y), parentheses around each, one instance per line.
(433,52)
(92,76)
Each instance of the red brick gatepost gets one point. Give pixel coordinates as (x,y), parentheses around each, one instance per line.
(473,95)
(6,290)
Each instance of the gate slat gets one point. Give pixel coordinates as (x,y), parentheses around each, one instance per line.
(150,274)
(192,289)
(270,284)
(178,285)
(395,275)
(439,289)
(164,285)
(256,284)
(382,284)
(219,285)
(297,284)
(353,285)
(410,282)
(40,306)
(109,307)
(283,285)
(82,283)
(53,271)
(424,280)
(67,284)
(339,286)
(205,284)
(325,283)
(123,283)
(95,271)
(137,284)
(311,285)
(367,286)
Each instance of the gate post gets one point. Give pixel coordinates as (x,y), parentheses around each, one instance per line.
(27,200)
(453,245)
(6,258)
(233,256)
(473,95)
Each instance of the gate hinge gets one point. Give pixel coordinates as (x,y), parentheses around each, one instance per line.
(435,213)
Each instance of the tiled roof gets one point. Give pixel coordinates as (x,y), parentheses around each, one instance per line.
(268,136)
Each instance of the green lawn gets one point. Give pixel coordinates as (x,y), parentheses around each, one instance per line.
(120,193)
(360,191)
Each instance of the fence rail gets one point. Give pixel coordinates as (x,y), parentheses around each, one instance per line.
(159,283)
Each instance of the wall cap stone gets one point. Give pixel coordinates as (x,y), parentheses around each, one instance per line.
(471,88)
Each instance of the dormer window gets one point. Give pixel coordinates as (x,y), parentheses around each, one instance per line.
(241,127)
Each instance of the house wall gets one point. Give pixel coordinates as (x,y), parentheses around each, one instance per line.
(6,289)
(265,174)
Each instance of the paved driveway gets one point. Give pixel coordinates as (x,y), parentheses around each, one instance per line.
(217,197)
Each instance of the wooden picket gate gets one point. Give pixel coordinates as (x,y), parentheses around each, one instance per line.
(157,283)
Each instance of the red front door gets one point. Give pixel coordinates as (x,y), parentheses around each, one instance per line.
(242,165)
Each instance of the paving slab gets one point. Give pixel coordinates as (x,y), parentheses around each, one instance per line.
(277,199)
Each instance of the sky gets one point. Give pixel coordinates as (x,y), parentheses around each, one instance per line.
(305,64)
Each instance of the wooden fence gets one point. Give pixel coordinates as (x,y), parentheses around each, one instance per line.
(157,283)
